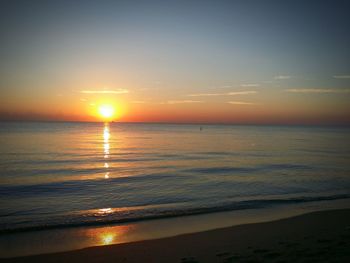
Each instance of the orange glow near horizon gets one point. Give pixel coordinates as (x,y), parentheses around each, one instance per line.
(212,110)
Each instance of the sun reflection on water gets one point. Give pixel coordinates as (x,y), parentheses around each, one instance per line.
(106,136)
(107,238)
(106,148)
(103,236)
(104,211)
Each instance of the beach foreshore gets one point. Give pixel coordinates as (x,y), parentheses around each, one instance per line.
(314,237)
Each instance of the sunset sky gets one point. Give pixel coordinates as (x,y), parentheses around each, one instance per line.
(255,62)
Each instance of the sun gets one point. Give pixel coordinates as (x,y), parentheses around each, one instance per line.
(106,111)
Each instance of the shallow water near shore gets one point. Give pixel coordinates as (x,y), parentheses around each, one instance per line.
(73,238)
(59,175)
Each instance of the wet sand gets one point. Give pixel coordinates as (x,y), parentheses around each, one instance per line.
(314,237)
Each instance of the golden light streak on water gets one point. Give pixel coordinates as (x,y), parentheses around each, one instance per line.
(106,136)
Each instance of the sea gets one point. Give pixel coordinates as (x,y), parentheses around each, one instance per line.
(56,175)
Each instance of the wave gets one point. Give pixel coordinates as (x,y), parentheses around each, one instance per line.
(97,217)
(268,167)
(196,170)
(73,185)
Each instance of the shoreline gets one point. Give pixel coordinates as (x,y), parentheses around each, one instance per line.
(68,239)
(322,235)
(244,206)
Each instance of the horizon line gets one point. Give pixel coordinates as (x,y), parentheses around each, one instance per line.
(189,123)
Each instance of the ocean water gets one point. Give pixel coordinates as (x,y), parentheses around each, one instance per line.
(56,175)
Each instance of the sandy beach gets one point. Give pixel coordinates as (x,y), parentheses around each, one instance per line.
(314,237)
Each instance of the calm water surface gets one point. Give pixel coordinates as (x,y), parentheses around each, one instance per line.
(72,174)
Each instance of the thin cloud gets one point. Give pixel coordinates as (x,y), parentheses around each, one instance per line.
(241,103)
(206,94)
(342,77)
(118,91)
(250,85)
(146,89)
(183,101)
(247,92)
(138,102)
(318,90)
(282,77)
